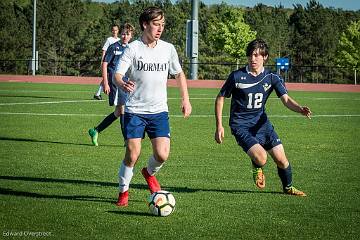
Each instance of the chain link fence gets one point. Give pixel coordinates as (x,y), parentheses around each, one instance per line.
(209,71)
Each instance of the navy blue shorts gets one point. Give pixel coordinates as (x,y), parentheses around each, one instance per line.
(265,136)
(155,125)
(116,96)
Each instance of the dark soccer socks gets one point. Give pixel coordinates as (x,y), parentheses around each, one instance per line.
(106,122)
(285,176)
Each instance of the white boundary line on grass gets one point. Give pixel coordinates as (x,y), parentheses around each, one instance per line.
(54,102)
(175,116)
(171,98)
(40,91)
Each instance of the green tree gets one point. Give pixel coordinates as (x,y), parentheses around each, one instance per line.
(348,52)
(215,62)
(60,25)
(315,34)
(233,34)
(15,36)
(271,24)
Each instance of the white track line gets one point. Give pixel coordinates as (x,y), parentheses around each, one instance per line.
(93,101)
(53,102)
(175,116)
(41,91)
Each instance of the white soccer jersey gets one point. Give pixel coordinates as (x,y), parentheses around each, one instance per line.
(109,41)
(149,69)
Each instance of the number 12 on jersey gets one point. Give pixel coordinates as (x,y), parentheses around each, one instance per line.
(254,100)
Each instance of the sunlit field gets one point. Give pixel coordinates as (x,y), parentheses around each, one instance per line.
(55,183)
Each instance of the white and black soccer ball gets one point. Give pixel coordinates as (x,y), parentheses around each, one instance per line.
(161,203)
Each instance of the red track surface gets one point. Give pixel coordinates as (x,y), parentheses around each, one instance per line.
(172,83)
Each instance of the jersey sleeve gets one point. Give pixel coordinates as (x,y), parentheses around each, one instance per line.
(109,53)
(228,86)
(174,63)
(279,85)
(125,61)
(106,44)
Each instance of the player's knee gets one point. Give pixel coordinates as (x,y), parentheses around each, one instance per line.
(130,162)
(282,163)
(162,156)
(132,155)
(260,158)
(118,111)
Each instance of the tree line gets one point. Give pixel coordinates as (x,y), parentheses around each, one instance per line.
(323,44)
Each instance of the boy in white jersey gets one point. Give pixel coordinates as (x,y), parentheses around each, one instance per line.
(150,60)
(110,40)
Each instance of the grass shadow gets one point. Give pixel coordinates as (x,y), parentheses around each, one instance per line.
(11,192)
(47,141)
(130,213)
(25,96)
(174,189)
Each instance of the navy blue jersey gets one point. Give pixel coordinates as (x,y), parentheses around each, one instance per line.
(249,95)
(112,56)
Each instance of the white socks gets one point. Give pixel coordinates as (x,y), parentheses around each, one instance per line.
(126,173)
(99,91)
(153,166)
(125,176)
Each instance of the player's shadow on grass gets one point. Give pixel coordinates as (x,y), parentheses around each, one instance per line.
(130,213)
(40,141)
(25,96)
(47,141)
(11,192)
(232,191)
(134,186)
(61,180)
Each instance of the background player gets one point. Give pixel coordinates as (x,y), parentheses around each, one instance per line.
(250,88)
(110,40)
(150,60)
(117,96)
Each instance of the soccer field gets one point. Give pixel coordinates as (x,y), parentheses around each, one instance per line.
(55,184)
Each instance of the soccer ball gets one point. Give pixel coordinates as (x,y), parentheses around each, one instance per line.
(161,203)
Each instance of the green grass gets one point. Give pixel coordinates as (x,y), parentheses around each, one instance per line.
(53,180)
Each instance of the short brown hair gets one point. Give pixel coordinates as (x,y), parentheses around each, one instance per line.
(149,14)
(257,44)
(128,27)
(115,25)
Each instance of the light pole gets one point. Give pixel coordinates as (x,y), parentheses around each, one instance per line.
(33,60)
(194,39)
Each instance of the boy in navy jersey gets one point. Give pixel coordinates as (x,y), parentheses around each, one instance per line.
(250,88)
(117,96)
(110,40)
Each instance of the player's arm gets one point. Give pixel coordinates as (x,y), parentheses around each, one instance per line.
(104,49)
(294,106)
(219,132)
(105,81)
(185,102)
(102,57)
(128,86)
(123,65)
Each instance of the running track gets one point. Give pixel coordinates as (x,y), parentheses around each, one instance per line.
(172,83)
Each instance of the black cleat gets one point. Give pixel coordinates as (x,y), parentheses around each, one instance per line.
(97,97)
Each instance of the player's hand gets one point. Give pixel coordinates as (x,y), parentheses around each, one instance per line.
(219,135)
(186,108)
(306,112)
(106,88)
(128,86)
